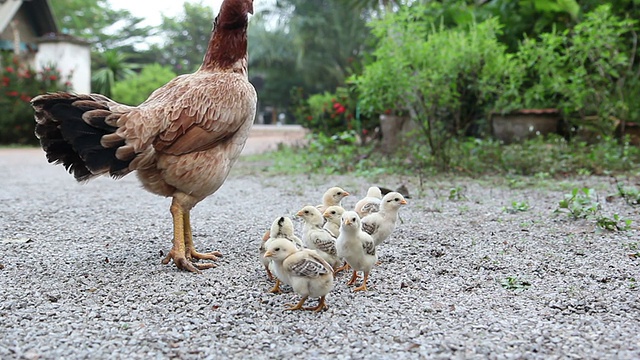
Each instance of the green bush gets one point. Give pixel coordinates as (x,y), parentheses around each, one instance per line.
(20,83)
(438,75)
(136,88)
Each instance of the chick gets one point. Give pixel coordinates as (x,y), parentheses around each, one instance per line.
(370,203)
(282,227)
(356,247)
(316,238)
(381,224)
(307,273)
(332,197)
(333,215)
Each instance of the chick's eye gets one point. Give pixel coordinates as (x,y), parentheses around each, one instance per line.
(333,213)
(277,249)
(354,219)
(306,211)
(339,193)
(397,199)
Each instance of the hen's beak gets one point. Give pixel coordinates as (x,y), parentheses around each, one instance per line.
(268,254)
(403,202)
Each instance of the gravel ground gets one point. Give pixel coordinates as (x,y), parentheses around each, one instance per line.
(81,274)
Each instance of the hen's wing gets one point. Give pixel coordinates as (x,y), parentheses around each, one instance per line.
(191,113)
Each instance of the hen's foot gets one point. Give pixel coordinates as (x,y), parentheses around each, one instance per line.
(298,306)
(183,263)
(321,306)
(193,254)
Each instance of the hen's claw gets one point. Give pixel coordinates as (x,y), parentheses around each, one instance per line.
(193,254)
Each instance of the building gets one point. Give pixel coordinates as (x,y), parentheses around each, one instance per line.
(28,29)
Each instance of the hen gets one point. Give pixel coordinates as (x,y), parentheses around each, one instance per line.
(182,141)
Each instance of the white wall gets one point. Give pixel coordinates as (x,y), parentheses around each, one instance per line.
(70,58)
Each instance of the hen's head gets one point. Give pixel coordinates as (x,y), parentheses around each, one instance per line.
(234,13)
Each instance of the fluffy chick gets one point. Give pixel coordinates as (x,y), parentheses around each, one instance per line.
(332,197)
(381,224)
(307,273)
(282,227)
(356,247)
(369,204)
(316,238)
(333,214)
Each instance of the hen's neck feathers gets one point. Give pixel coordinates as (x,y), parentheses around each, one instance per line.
(227,50)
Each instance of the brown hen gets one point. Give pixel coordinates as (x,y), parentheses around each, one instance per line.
(182,141)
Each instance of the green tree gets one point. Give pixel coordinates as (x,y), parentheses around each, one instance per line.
(94,20)
(187,36)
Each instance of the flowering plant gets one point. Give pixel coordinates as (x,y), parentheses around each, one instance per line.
(19,83)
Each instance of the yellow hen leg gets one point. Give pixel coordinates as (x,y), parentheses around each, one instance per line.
(363,287)
(321,305)
(298,306)
(190,250)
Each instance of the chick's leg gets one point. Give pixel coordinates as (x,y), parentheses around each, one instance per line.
(321,305)
(178,251)
(363,287)
(276,287)
(190,250)
(344,267)
(354,277)
(298,306)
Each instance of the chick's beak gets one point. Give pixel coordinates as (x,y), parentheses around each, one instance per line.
(403,202)
(299,213)
(347,222)
(346,193)
(325,214)
(268,254)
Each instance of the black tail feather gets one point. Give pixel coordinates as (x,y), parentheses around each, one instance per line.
(68,139)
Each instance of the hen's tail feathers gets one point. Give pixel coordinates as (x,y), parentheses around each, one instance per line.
(79,132)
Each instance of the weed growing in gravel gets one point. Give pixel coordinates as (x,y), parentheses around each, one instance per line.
(613,224)
(516,207)
(457,193)
(631,195)
(580,203)
(515,284)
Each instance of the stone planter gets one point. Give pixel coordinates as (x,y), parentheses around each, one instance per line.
(393,127)
(524,124)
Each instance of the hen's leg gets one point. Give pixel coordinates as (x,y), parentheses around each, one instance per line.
(298,306)
(363,287)
(321,305)
(190,250)
(178,251)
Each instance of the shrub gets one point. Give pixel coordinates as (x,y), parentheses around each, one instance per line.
(20,83)
(136,88)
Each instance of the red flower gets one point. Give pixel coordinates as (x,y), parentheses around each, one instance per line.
(365,131)
(9,69)
(25,97)
(309,117)
(387,112)
(6,81)
(336,105)
(340,109)
(12,93)
(53,78)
